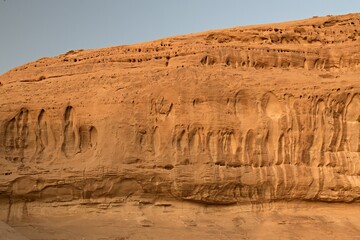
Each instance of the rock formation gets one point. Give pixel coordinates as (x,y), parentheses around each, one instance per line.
(243,115)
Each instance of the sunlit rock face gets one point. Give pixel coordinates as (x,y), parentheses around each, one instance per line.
(241,115)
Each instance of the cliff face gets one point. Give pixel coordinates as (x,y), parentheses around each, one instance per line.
(248,114)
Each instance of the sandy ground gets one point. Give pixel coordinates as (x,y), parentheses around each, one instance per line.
(8,233)
(191,221)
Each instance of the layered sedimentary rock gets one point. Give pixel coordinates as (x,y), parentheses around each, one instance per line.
(248,114)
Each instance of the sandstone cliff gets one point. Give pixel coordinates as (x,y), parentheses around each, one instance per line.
(242,115)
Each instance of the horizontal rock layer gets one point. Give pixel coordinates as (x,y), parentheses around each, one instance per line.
(248,114)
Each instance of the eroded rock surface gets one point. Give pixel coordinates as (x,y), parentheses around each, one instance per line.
(241,115)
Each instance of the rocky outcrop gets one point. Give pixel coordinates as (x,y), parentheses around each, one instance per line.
(242,115)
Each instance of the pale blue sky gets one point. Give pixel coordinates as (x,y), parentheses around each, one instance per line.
(31,29)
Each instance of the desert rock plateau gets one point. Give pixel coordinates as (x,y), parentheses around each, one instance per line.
(242,133)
